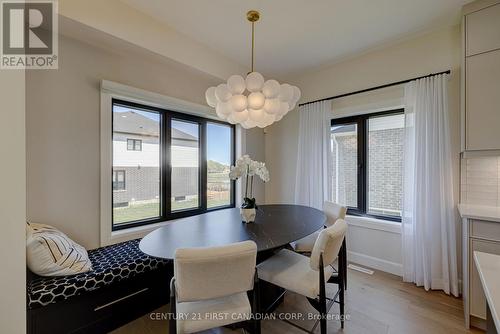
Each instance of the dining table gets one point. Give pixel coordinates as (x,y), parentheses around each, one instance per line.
(274,228)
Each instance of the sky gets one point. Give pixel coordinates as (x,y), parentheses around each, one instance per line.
(219,147)
(218,136)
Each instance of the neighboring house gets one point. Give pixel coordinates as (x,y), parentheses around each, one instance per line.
(385,185)
(136,154)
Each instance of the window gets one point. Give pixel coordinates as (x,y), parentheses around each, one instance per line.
(119,180)
(219,156)
(185,153)
(385,165)
(179,166)
(141,199)
(134,145)
(367,160)
(344,141)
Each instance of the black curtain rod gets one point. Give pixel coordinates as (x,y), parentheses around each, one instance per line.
(373,88)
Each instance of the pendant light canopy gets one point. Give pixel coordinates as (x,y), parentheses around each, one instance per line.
(252,101)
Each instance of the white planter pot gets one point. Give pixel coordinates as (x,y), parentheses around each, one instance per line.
(248,215)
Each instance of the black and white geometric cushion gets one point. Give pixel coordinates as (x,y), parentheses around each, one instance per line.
(109,265)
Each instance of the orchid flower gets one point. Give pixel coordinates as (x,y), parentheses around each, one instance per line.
(248,168)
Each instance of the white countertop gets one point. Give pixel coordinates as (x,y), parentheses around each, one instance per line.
(490,213)
(488,267)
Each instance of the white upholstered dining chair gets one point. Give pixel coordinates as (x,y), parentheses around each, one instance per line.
(212,281)
(308,276)
(333,211)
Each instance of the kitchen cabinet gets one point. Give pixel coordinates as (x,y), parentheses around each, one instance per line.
(483,101)
(480,232)
(483,30)
(481,80)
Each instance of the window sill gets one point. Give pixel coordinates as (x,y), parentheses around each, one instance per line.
(136,232)
(374,224)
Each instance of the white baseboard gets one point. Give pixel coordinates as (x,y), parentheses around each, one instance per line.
(383,265)
(375,263)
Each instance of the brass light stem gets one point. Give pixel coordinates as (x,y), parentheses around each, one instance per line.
(253,16)
(253,42)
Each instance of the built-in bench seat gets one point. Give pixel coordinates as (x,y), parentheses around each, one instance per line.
(124,283)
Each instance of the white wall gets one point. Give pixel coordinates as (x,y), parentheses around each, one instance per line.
(423,55)
(63,113)
(255,147)
(12,203)
(375,244)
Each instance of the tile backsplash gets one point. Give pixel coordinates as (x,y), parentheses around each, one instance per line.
(480,181)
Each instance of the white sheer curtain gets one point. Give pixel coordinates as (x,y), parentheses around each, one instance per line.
(429,221)
(312,181)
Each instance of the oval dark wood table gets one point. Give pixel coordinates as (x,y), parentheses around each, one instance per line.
(275,227)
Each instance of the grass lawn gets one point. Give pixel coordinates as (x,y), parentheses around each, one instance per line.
(135,212)
(150,210)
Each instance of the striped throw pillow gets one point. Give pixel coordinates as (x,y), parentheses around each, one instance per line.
(49,252)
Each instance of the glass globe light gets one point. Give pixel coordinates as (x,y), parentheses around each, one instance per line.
(222,93)
(271,89)
(268,119)
(240,116)
(286,93)
(223,108)
(221,115)
(236,84)
(238,102)
(296,94)
(256,115)
(256,100)
(254,81)
(284,107)
(230,119)
(248,124)
(272,106)
(262,124)
(210,97)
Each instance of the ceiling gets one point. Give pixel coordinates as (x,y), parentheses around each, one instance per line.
(297,35)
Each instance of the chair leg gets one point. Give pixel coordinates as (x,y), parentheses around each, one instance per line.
(172,325)
(344,261)
(323,315)
(341,296)
(322,295)
(256,304)
(342,311)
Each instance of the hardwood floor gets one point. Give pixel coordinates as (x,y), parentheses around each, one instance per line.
(378,303)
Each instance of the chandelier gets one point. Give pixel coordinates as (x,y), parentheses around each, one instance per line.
(252,101)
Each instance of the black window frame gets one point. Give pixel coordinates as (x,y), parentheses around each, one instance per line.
(116,172)
(166,117)
(134,144)
(362,170)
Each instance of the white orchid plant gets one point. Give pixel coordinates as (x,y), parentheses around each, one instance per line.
(248,168)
